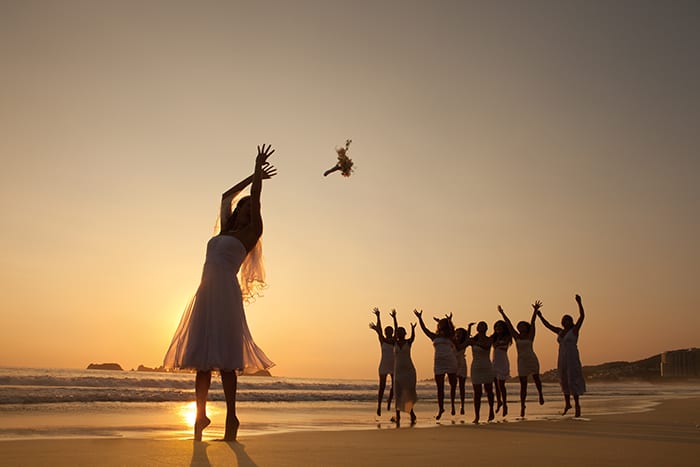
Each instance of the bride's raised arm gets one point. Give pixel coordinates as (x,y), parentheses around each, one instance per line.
(260,165)
(267,171)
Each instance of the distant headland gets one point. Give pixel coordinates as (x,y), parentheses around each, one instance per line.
(683,363)
(105,366)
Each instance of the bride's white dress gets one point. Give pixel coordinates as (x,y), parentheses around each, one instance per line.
(213,332)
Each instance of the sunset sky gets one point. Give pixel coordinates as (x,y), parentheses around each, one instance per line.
(505,152)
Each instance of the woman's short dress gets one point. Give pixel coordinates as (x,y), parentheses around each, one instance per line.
(482,369)
(386,364)
(501,365)
(569,364)
(445,356)
(404,378)
(528,364)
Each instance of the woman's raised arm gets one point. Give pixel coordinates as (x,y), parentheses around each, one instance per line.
(267,171)
(509,324)
(581,314)
(256,188)
(546,323)
(431,335)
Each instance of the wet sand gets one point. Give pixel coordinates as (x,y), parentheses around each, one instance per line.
(668,435)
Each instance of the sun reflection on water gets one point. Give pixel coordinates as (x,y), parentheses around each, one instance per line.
(188,413)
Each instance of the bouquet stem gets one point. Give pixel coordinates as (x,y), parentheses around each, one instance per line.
(331,170)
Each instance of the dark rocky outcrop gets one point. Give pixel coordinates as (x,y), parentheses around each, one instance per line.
(105,366)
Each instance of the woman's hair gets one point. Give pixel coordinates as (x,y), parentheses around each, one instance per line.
(460,335)
(567,318)
(388,331)
(231,222)
(445,327)
(504,336)
(400,332)
(523,325)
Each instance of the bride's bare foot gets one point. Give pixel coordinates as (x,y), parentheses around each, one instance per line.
(413,418)
(379,411)
(440,412)
(453,410)
(541,399)
(578,411)
(498,406)
(505,409)
(199,426)
(232,430)
(522,410)
(475,421)
(491,415)
(461,410)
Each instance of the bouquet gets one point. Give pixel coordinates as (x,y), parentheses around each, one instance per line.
(344,164)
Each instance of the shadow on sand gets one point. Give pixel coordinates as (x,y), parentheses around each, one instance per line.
(201,459)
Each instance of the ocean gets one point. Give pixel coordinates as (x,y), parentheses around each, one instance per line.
(65,403)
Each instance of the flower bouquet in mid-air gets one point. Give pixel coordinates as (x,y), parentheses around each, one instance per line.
(344,164)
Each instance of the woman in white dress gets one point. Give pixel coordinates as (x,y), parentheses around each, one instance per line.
(502,340)
(461,344)
(213,333)
(386,364)
(445,361)
(404,372)
(528,363)
(482,369)
(569,362)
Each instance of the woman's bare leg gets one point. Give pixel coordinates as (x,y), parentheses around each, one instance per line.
(477,402)
(391,392)
(498,395)
(380,395)
(229,381)
(577,407)
(567,403)
(538,385)
(489,396)
(452,378)
(202,383)
(462,382)
(523,394)
(440,383)
(501,387)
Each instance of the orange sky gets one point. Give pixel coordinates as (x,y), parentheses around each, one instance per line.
(503,153)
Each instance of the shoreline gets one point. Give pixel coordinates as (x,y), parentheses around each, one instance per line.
(668,434)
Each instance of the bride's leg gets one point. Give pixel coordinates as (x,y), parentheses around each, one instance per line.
(201,389)
(229,381)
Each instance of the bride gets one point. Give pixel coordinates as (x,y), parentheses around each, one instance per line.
(213,333)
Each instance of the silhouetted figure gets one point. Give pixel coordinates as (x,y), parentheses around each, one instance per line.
(445,361)
(482,368)
(569,362)
(213,333)
(461,344)
(502,340)
(404,372)
(386,364)
(528,364)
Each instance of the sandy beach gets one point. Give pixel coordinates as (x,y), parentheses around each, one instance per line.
(668,435)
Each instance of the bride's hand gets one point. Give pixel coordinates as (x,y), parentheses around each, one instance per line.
(268,171)
(263,154)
